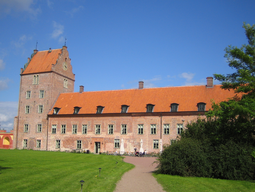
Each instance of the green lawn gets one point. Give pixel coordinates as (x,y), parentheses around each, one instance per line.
(197,184)
(27,170)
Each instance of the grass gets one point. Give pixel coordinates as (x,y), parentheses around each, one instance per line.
(197,184)
(27,170)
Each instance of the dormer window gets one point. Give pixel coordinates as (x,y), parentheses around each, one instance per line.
(124,109)
(174,107)
(56,110)
(150,108)
(100,109)
(201,107)
(76,110)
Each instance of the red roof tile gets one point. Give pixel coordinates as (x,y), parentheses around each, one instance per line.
(42,61)
(187,97)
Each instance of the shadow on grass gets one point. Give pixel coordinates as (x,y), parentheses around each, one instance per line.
(2,168)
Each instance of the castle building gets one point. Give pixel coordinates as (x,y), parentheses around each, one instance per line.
(51,116)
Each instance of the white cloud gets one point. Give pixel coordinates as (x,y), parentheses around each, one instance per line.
(187,76)
(4,84)
(74,10)
(58,31)
(22,40)
(7,6)
(49,3)
(2,64)
(8,110)
(189,79)
(150,82)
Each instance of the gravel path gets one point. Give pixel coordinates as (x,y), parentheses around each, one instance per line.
(140,178)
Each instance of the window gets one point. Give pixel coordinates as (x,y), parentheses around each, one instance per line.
(56,110)
(116,143)
(140,129)
(39,128)
(57,144)
(201,106)
(166,129)
(27,110)
(84,129)
(65,83)
(124,109)
(36,80)
(28,94)
(155,144)
(26,128)
(78,144)
(54,129)
(63,129)
(76,110)
(149,108)
(174,107)
(100,109)
(153,129)
(179,128)
(110,129)
(74,129)
(123,129)
(25,143)
(97,131)
(40,108)
(38,143)
(41,94)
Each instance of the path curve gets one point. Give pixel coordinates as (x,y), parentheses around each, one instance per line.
(140,178)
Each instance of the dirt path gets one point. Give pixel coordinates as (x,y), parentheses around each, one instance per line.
(140,178)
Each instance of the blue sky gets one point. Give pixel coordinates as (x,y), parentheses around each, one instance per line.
(114,44)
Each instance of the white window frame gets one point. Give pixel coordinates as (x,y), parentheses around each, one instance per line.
(153,129)
(53,128)
(58,143)
(166,129)
(40,108)
(79,143)
(179,128)
(25,143)
(84,129)
(140,129)
(41,94)
(36,79)
(65,83)
(116,143)
(97,129)
(75,129)
(38,143)
(27,109)
(63,129)
(155,143)
(28,94)
(39,128)
(124,129)
(110,129)
(26,128)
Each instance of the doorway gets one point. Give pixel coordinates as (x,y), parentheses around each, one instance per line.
(97,147)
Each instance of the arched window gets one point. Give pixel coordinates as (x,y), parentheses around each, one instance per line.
(6,141)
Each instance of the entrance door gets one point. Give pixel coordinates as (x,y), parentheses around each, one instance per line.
(97,147)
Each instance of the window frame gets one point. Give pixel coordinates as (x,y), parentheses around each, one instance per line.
(140,129)
(35,79)
(26,128)
(166,128)
(76,110)
(97,127)
(124,108)
(25,141)
(65,83)
(110,129)
(123,129)
(41,94)
(100,109)
(84,129)
(174,107)
(53,128)
(116,143)
(149,108)
(78,144)
(38,143)
(27,109)
(58,143)
(153,129)
(63,129)
(179,128)
(28,94)
(201,106)
(74,129)
(155,144)
(40,109)
(55,110)
(39,128)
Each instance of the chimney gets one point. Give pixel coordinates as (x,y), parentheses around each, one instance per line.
(28,60)
(35,51)
(49,50)
(209,82)
(140,84)
(81,88)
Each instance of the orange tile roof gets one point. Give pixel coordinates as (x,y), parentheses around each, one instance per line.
(187,97)
(42,61)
